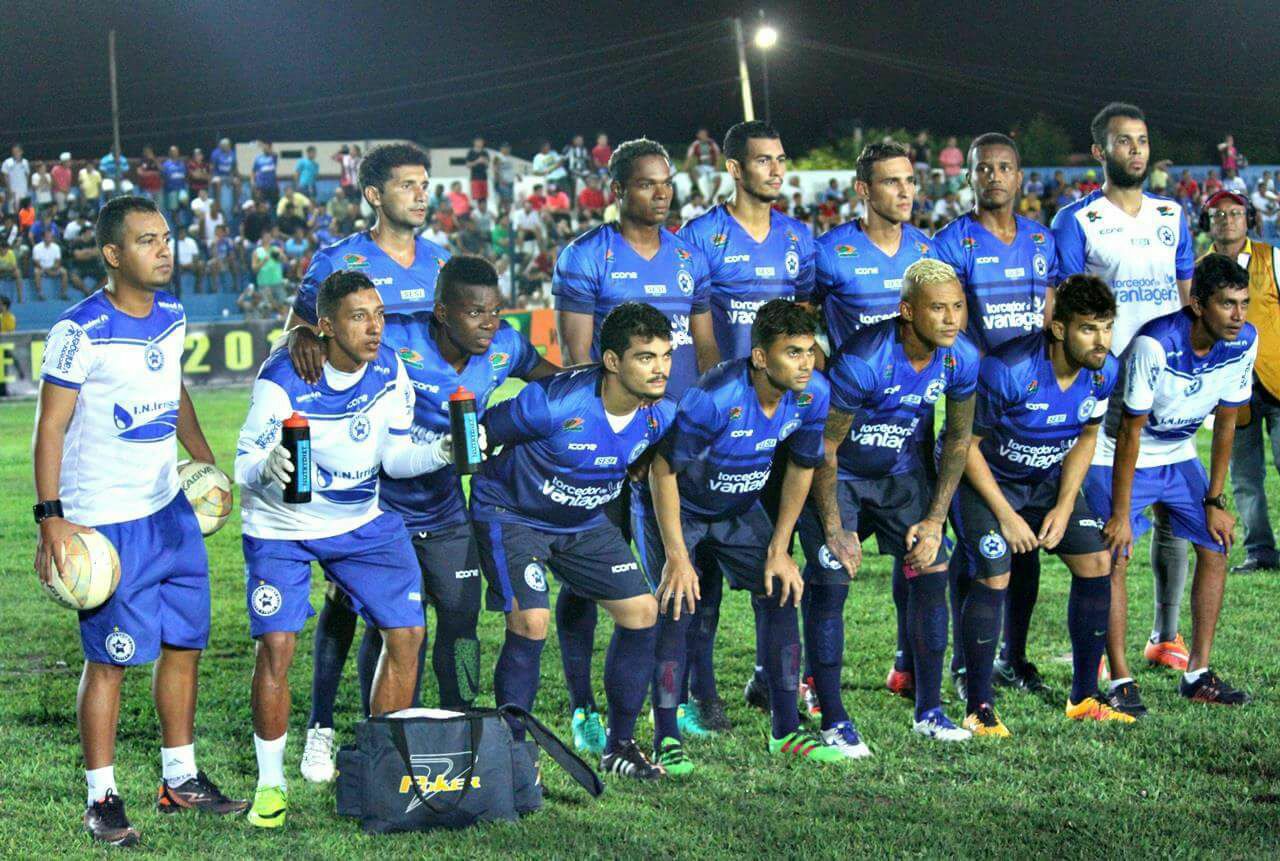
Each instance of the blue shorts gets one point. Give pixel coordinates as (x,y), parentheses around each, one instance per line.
(596,564)
(163,596)
(373,565)
(734,547)
(1179,487)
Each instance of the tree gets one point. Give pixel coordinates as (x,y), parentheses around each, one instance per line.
(1041,141)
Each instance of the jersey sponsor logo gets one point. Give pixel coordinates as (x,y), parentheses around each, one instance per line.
(866,270)
(846,251)
(352,260)
(498,361)
(720,240)
(1033,387)
(742,432)
(411,358)
(923,249)
(160,421)
(622,566)
(743,311)
(359,428)
(827,559)
(71,346)
(652,421)
(574,424)
(1165,234)
(1035,456)
(582,446)
(1037,406)
(574,496)
(1086,408)
(992,545)
(1093,522)
(988,259)
(655,289)
(416,294)
(882,435)
(1093,215)
(735,413)
(767,444)
(120,646)
(737,258)
(624,275)
(1040,265)
(266,600)
(606,461)
(1016,272)
(792,263)
(154,357)
(637,450)
(765,271)
(535,577)
(683,254)
(1058,419)
(1165,210)
(463,574)
(789,428)
(680,336)
(685,281)
(803,400)
(608,255)
(969,242)
(949,362)
(1150,290)
(382,282)
(1037,238)
(739,482)
(1107,231)
(1140,242)
(792,238)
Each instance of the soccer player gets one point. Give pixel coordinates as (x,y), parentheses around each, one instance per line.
(1177,370)
(858,282)
(1041,398)
(756,253)
(705,511)
(111,404)
(631,260)
(568,442)
(1139,244)
(884,381)
(1007,265)
(360,416)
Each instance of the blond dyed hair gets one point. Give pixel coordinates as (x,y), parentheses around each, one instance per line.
(923,273)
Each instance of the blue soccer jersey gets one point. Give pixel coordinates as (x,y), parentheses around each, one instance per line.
(434,501)
(560,460)
(1004,285)
(856,283)
(745,274)
(264,171)
(600,270)
(404,290)
(872,380)
(223,161)
(722,443)
(1027,423)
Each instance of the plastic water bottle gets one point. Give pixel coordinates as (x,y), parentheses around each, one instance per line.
(295,436)
(465,429)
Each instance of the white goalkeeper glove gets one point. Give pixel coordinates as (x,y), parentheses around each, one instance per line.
(278,468)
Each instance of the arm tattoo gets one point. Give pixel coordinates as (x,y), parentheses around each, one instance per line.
(955,451)
(824,477)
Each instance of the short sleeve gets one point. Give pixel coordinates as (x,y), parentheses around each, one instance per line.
(524,417)
(1144,361)
(304,304)
(575,282)
(1068,238)
(806,446)
(964,376)
(805,277)
(1243,390)
(997,395)
(524,356)
(1054,275)
(948,250)
(68,355)
(701,301)
(1185,258)
(824,272)
(697,424)
(852,382)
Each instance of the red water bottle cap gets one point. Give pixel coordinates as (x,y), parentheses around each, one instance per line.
(462,395)
(297,420)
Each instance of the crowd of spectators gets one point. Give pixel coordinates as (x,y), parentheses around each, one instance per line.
(252,234)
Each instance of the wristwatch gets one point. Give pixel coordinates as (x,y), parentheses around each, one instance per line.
(48,508)
(1219,501)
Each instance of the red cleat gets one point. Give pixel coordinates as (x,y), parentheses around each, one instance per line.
(1172,654)
(902,683)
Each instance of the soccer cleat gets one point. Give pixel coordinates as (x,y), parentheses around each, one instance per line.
(1024,676)
(812,708)
(317,757)
(806,746)
(707,715)
(1127,698)
(671,756)
(588,731)
(1171,653)
(937,725)
(844,737)
(270,804)
(105,821)
(628,760)
(198,793)
(1209,688)
(1253,565)
(1096,708)
(985,722)
(902,683)
(960,681)
(756,693)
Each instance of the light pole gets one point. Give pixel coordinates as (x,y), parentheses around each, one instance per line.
(766,38)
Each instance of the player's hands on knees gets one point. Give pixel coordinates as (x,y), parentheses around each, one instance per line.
(1118,533)
(307,353)
(52,545)
(847,548)
(1221,525)
(1054,526)
(923,540)
(782,568)
(278,468)
(679,588)
(1019,535)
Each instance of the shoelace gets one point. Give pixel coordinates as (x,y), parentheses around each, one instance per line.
(324,743)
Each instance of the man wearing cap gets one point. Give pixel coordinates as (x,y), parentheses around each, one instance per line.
(1228,216)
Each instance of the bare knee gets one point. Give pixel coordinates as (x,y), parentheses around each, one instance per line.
(1089,565)
(530,624)
(402,644)
(635,613)
(275,654)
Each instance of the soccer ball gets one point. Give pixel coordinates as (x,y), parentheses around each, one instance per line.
(91,572)
(209,491)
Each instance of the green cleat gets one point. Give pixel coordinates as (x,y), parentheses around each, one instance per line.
(588,731)
(671,756)
(806,746)
(690,721)
(270,803)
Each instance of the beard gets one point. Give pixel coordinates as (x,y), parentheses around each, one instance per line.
(1118,174)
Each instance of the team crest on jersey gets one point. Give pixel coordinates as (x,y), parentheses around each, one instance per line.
(803,400)
(1165,234)
(355,261)
(949,362)
(685,281)
(1041,265)
(120,646)
(153,357)
(440,262)
(637,450)
(574,424)
(827,559)
(498,361)
(969,242)
(359,428)
(1086,408)
(792,262)
(1098,379)
(1037,238)
(992,545)
(934,391)
(608,255)
(653,421)
(846,251)
(735,413)
(1093,216)
(683,254)
(266,600)
(1165,210)
(534,577)
(788,429)
(411,358)
(720,240)
(1194,387)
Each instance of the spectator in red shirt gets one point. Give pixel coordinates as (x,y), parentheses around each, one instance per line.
(1229,154)
(1090,182)
(61,177)
(601,153)
(198,172)
(150,182)
(557,200)
(458,202)
(537,199)
(1212,184)
(951,159)
(1188,188)
(591,198)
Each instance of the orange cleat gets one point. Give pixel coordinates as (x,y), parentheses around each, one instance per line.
(1172,654)
(902,683)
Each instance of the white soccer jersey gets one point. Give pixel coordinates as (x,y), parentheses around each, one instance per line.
(1176,389)
(120,455)
(356,421)
(1141,257)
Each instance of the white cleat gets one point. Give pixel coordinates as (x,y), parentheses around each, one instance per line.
(937,725)
(317,757)
(844,737)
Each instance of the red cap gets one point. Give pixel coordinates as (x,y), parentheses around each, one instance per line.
(297,420)
(462,395)
(1217,197)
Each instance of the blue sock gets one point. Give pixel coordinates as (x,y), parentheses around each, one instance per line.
(980,631)
(824,643)
(335,629)
(576,630)
(959,578)
(762,634)
(804,615)
(628,670)
(367,664)
(927,615)
(700,678)
(672,643)
(902,659)
(1088,611)
(1024,587)
(515,677)
(782,662)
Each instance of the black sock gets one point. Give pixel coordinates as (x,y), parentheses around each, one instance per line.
(959,576)
(335,629)
(1088,611)
(367,664)
(1024,587)
(455,657)
(576,630)
(669,669)
(927,615)
(782,662)
(762,650)
(700,674)
(902,659)
(628,669)
(980,631)
(516,675)
(824,643)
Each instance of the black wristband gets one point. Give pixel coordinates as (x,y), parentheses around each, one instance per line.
(48,508)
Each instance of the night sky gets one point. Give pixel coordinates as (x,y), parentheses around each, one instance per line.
(438,72)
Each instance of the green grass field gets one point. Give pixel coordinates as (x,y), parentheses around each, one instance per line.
(1188,781)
